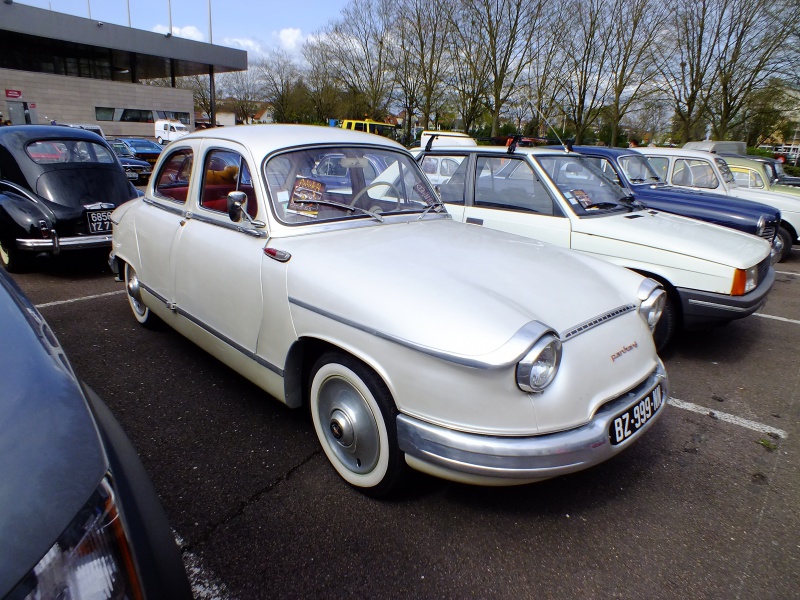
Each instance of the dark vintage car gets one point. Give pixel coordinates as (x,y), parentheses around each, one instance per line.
(632,171)
(138,171)
(79,516)
(141,148)
(58,186)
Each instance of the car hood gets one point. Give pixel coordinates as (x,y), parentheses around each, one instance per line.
(415,280)
(703,201)
(673,234)
(76,186)
(51,458)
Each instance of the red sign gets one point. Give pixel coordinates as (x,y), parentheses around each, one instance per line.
(13,94)
(32,105)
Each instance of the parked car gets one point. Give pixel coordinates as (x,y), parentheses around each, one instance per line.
(700,170)
(712,274)
(79,517)
(758,173)
(632,171)
(393,323)
(58,186)
(138,171)
(167,130)
(141,148)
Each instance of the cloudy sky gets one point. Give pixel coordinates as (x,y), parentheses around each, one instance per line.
(253,25)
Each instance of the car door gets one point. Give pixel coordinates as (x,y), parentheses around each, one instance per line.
(218,262)
(509,195)
(159,224)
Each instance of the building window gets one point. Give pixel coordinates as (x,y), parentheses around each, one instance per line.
(102,113)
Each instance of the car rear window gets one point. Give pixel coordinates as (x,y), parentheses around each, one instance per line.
(68,151)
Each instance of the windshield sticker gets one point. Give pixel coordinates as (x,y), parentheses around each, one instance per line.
(582,197)
(305,194)
(424,193)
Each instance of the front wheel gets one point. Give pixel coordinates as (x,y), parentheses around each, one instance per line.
(786,238)
(13,259)
(666,326)
(160,141)
(133,291)
(354,418)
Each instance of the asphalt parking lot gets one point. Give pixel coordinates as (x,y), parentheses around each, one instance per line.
(705,505)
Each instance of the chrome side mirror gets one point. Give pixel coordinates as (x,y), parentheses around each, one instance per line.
(237,205)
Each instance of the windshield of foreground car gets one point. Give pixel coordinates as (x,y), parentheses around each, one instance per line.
(637,169)
(314,185)
(583,184)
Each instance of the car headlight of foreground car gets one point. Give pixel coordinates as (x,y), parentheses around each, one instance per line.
(91,559)
(653,298)
(744,281)
(539,367)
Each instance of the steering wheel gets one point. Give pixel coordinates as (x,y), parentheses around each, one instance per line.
(372,185)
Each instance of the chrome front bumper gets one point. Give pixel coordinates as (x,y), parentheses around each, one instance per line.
(56,244)
(526,458)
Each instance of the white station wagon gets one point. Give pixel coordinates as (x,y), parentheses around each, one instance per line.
(414,340)
(712,274)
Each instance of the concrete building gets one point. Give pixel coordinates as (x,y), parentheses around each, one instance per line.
(67,69)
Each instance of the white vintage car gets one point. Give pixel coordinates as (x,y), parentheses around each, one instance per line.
(466,353)
(707,172)
(712,274)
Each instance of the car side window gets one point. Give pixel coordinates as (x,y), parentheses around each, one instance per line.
(172,180)
(755,180)
(510,184)
(694,173)
(225,171)
(660,164)
(429,165)
(453,191)
(449,166)
(606,167)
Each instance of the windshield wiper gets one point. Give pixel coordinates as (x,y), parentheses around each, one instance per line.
(428,208)
(374,215)
(602,205)
(631,201)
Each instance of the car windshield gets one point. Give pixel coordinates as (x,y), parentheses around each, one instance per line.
(637,169)
(583,184)
(144,145)
(314,185)
(68,151)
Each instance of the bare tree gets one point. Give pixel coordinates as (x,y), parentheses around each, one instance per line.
(244,92)
(634,27)
(587,80)
(321,87)
(279,75)
(747,57)
(358,55)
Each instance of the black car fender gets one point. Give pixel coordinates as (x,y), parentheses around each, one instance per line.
(157,553)
(20,215)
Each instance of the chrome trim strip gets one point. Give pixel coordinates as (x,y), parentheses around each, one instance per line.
(506,355)
(530,457)
(598,320)
(175,210)
(177,309)
(230,225)
(720,306)
(66,243)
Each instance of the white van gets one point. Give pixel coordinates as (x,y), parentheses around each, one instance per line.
(167,130)
(446,138)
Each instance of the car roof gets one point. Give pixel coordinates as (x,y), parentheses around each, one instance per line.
(264,139)
(531,150)
(685,152)
(17,136)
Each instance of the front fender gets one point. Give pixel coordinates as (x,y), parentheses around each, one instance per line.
(20,216)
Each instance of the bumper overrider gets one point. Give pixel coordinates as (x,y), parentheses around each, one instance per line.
(508,460)
(703,309)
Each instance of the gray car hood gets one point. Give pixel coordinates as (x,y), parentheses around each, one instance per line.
(51,457)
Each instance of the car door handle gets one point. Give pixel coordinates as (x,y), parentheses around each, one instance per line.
(474,221)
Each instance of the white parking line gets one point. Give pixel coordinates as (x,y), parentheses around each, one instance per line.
(81,299)
(787,273)
(774,318)
(205,585)
(755,426)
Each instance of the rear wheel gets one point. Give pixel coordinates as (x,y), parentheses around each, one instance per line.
(140,311)
(354,418)
(161,141)
(12,258)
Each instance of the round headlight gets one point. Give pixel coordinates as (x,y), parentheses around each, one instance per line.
(539,367)
(652,307)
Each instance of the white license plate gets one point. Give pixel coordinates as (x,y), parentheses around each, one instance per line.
(632,420)
(132,175)
(99,221)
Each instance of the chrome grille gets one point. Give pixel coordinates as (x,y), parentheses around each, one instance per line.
(769,233)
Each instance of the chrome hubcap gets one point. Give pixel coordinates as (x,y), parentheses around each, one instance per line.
(133,292)
(349,425)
